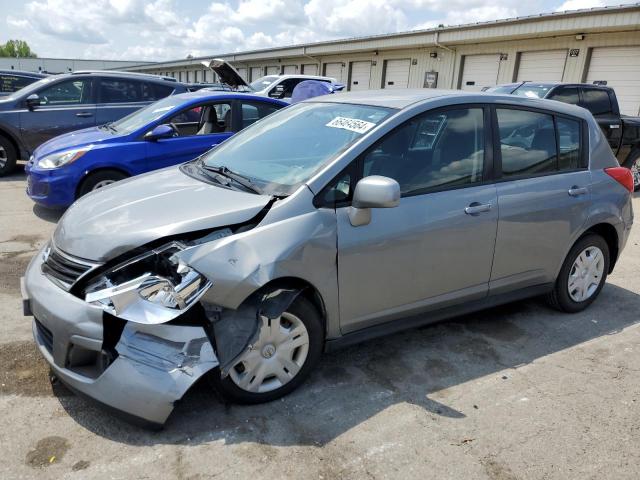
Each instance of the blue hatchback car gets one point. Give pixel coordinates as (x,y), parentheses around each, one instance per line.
(171,131)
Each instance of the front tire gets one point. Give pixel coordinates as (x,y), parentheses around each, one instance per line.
(8,156)
(99,179)
(582,275)
(286,352)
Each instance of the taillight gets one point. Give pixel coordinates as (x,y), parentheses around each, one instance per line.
(621,175)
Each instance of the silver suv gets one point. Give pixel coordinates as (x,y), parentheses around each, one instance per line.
(327,223)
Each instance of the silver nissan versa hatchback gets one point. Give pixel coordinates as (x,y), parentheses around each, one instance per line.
(329,222)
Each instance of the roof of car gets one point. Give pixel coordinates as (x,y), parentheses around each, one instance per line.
(204,94)
(23,73)
(401,99)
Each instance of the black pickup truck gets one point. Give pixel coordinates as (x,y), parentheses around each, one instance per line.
(622,131)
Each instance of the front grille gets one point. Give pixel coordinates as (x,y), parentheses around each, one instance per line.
(63,269)
(45,336)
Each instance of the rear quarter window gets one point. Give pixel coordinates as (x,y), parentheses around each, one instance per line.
(597,101)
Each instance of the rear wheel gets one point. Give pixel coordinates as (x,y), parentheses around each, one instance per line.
(634,165)
(99,179)
(582,275)
(8,156)
(287,350)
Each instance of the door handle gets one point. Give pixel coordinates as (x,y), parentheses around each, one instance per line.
(84,114)
(476,208)
(577,191)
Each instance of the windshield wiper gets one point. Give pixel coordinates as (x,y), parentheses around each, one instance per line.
(230,174)
(108,125)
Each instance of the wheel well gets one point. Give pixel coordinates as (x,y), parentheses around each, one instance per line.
(610,235)
(633,154)
(308,291)
(97,170)
(5,134)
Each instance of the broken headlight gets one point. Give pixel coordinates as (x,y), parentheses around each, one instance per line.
(152,288)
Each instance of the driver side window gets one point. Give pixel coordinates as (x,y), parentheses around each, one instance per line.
(203,120)
(69,92)
(432,151)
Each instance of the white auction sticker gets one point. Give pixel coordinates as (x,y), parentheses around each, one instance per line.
(351,124)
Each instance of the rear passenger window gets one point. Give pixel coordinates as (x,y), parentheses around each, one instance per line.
(119,91)
(596,101)
(152,91)
(566,95)
(527,142)
(569,143)
(432,151)
(252,112)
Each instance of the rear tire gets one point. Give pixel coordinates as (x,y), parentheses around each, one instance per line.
(99,179)
(8,156)
(633,164)
(233,389)
(582,275)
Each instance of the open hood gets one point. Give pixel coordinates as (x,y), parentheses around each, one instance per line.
(226,73)
(133,212)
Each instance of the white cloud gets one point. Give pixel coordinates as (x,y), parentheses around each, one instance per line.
(170,29)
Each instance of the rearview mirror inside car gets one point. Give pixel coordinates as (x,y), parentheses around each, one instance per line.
(159,132)
(373,192)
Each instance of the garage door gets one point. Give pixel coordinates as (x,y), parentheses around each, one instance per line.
(480,71)
(396,74)
(542,66)
(290,69)
(310,69)
(360,75)
(620,68)
(333,70)
(274,70)
(256,73)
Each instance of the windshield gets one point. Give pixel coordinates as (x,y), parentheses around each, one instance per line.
(263,82)
(287,148)
(532,91)
(146,115)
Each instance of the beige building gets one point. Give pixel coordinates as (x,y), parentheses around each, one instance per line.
(595,45)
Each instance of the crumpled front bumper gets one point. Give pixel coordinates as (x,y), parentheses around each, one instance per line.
(155,364)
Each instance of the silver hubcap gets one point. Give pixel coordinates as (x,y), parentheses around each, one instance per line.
(586,274)
(3,157)
(103,183)
(276,357)
(635,171)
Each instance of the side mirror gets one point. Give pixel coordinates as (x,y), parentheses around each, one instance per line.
(32,101)
(373,192)
(160,132)
(277,92)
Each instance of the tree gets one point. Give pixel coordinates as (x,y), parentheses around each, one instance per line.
(16,49)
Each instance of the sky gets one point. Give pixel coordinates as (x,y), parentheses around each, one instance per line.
(172,29)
